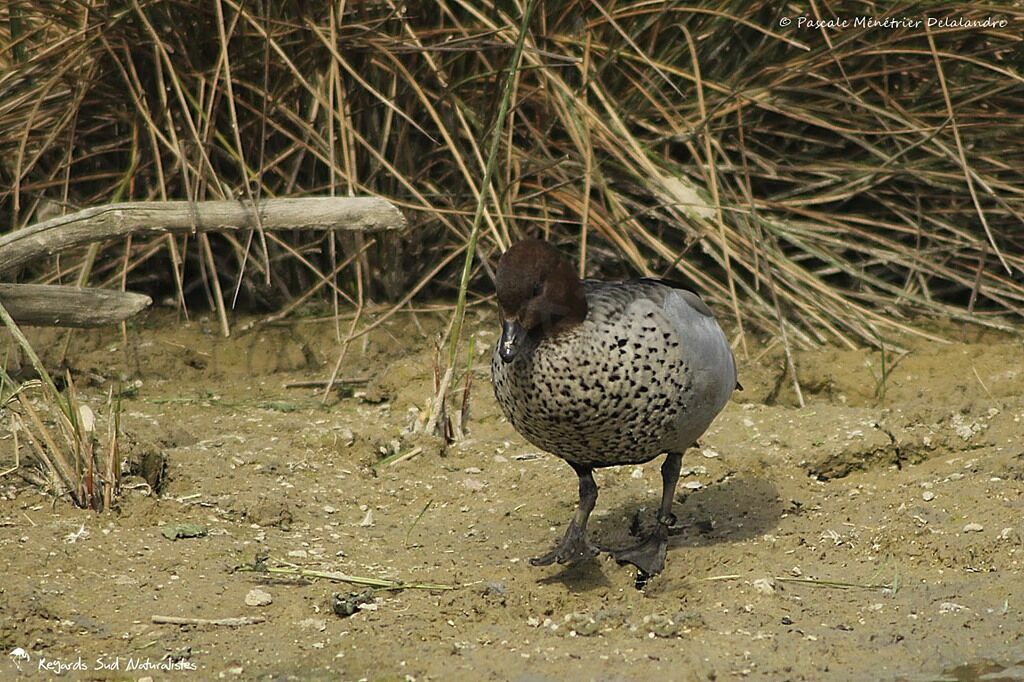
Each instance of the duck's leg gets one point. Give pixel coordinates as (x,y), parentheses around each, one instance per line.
(574,545)
(649,554)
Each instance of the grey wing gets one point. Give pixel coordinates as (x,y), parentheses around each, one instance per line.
(704,342)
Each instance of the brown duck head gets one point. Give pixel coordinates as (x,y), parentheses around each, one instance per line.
(539,295)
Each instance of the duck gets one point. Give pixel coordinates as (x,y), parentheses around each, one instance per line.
(604,374)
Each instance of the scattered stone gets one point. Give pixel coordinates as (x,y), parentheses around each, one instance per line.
(963,428)
(973,528)
(345,605)
(495,588)
(177,531)
(298,554)
(659,625)
(367,521)
(318,624)
(764,585)
(473,484)
(582,624)
(258,597)
(950,607)
(927,496)
(269,512)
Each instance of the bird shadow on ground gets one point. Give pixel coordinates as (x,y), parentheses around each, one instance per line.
(736,509)
(582,577)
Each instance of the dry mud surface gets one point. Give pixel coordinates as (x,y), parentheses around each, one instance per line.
(874,534)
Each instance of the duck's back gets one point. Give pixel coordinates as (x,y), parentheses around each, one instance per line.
(646,372)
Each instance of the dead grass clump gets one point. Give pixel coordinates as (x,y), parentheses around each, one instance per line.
(67,452)
(827,186)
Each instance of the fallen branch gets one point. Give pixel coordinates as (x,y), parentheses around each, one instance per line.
(53,305)
(99,223)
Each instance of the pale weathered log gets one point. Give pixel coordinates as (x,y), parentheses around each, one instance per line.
(362,214)
(51,305)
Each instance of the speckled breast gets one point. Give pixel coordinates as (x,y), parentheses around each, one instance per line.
(601,394)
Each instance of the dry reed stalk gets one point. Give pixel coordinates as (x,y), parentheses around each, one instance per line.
(880,166)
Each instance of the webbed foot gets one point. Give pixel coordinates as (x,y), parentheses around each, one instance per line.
(648,555)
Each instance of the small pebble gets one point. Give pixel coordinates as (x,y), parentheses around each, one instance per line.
(495,588)
(927,496)
(765,585)
(973,528)
(582,624)
(258,597)
(659,625)
(318,624)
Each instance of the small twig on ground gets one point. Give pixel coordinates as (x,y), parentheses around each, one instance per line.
(226,622)
(379,583)
(417,520)
(978,377)
(320,383)
(834,583)
(398,457)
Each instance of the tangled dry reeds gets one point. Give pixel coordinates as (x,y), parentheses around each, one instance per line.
(831,184)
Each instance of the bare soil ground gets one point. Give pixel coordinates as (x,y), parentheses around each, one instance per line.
(877,533)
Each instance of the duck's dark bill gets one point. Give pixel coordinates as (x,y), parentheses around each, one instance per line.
(512,336)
